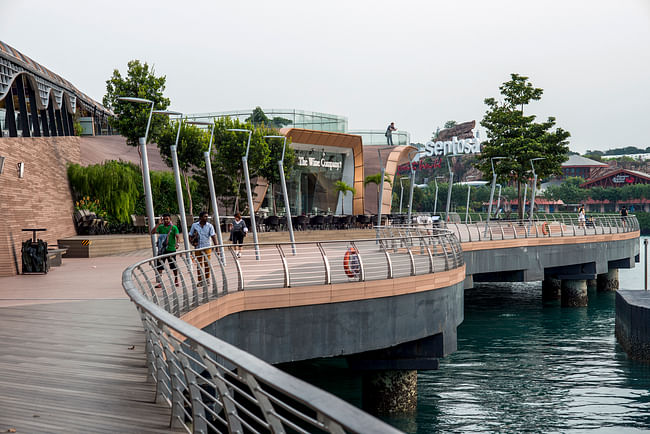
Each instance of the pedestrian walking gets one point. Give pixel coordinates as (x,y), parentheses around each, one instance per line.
(581,217)
(168,238)
(237,233)
(623,214)
(389,133)
(201,233)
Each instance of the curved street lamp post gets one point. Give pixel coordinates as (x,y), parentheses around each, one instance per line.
(213,196)
(249,192)
(532,199)
(283,182)
(494,180)
(412,156)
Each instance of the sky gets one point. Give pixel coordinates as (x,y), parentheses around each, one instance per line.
(415,63)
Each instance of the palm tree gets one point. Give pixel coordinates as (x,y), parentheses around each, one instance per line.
(376,179)
(342,187)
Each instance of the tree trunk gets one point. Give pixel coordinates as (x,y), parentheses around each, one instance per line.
(521,206)
(189,194)
(275,211)
(236,205)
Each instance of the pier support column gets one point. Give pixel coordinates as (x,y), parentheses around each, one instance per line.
(608,281)
(592,284)
(390,392)
(551,289)
(574,293)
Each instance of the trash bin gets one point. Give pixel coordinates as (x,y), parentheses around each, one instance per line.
(34,254)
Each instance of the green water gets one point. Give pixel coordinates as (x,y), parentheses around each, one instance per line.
(525,366)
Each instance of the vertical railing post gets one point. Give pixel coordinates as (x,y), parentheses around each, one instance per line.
(326,264)
(285,266)
(362,270)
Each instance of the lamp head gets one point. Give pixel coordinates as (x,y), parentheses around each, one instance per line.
(199,123)
(167,112)
(134,99)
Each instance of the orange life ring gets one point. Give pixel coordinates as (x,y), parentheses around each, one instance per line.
(545,228)
(351,264)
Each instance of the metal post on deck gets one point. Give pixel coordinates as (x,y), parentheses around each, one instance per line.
(645,245)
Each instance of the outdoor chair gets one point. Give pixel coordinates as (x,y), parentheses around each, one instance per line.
(317,222)
(272,222)
(301,222)
(327,223)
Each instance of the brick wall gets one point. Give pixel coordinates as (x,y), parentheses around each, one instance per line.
(41,199)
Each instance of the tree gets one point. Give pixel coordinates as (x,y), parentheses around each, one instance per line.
(569,191)
(518,137)
(270,170)
(376,179)
(258,118)
(192,142)
(131,120)
(344,188)
(228,149)
(448,124)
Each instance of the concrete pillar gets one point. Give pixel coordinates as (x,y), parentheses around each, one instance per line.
(608,281)
(551,289)
(390,392)
(592,284)
(574,293)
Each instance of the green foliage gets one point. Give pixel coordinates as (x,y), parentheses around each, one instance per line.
(259,119)
(163,191)
(644,222)
(344,188)
(86,203)
(569,191)
(118,185)
(450,124)
(78,129)
(227,169)
(376,179)
(131,120)
(514,135)
(270,170)
(192,143)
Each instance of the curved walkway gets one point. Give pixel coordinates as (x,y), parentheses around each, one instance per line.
(72,357)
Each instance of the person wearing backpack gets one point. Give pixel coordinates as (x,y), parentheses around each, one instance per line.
(167,240)
(237,233)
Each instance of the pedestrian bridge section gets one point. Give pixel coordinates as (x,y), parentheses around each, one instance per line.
(285,302)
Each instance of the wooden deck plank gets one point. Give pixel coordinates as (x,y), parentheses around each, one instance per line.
(68,367)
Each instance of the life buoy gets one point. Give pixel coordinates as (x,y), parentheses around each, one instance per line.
(351,264)
(545,228)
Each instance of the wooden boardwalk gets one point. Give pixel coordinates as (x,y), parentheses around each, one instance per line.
(71,354)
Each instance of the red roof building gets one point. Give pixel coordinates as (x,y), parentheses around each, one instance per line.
(617,178)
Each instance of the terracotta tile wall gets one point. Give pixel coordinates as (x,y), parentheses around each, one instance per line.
(41,199)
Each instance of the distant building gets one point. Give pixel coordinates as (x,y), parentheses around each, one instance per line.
(617,178)
(580,166)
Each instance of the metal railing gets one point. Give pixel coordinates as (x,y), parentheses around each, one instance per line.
(212,386)
(544,225)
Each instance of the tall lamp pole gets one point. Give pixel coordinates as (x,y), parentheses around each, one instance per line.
(177,180)
(401,193)
(532,199)
(451,184)
(144,160)
(494,181)
(249,192)
(412,156)
(213,196)
(525,197)
(380,199)
(283,182)
(469,189)
(498,199)
(435,202)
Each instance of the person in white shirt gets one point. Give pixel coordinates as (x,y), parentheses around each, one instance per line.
(200,234)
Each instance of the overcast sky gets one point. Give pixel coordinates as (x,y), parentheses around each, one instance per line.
(417,63)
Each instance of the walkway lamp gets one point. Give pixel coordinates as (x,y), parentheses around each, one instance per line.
(412,156)
(283,182)
(144,162)
(451,183)
(401,193)
(249,192)
(435,202)
(213,196)
(525,197)
(380,199)
(469,189)
(532,199)
(177,178)
(494,180)
(498,199)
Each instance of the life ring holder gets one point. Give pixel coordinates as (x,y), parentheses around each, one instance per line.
(545,230)
(351,263)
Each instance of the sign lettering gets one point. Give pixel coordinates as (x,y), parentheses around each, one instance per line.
(453,146)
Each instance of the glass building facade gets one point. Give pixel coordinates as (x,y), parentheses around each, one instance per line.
(378,137)
(297,118)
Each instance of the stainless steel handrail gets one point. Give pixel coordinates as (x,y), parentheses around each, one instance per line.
(211,385)
(566,226)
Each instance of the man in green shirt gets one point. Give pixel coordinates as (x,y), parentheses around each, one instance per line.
(167,240)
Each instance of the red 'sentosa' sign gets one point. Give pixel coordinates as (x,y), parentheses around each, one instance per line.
(420,165)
